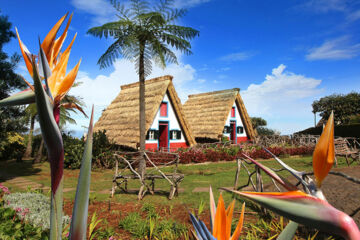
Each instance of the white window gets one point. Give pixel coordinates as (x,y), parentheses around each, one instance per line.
(174,135)
(151,134)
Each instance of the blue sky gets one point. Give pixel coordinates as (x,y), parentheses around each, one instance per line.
(282,54)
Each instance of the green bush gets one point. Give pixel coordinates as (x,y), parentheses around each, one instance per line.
(73,150)
(13,227)
(153,225)
(12,147)
(32,207)
(351,130)
(102,151)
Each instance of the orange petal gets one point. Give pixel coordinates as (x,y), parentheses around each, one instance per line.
(229,214)
(49,40)
(219,231)
(324,153)
(239,226)
(26,53)
(279,194)
(65,57)
(59,42)
(62,87)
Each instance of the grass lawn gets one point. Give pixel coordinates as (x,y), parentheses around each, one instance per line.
(200,175)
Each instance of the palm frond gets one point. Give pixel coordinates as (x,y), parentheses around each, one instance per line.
(111,29)
(111,54)
(139,7)
(180,31)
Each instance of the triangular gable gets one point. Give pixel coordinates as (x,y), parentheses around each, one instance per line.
(207,113)
(121,117)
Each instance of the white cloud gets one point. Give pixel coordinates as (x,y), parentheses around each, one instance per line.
(239,56)
(324,6)
(283,99)
(102,10)
(353,16)
(189,3)
(102,89)
(201,80)
(335,49)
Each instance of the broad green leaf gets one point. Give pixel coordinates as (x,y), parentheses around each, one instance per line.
(289,231)
(53,141)
(307,210)
(21,98)
(80,211)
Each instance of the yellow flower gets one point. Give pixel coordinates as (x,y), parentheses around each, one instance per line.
(324,154)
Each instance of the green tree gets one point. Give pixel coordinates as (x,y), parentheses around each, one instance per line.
(345,106)
(259,124)
(144,33)
(29,117)
(68,105)
(9,81)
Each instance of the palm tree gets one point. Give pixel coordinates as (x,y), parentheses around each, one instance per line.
(30,115)
(142,34)
(68,104)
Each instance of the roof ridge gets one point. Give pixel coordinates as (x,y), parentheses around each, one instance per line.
(215,92)
(153,80)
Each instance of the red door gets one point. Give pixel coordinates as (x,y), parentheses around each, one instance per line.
(163,135)
(233,131)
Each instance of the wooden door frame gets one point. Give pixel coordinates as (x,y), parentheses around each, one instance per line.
(168,133)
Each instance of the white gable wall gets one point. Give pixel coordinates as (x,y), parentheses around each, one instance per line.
(239,123)
(171,119)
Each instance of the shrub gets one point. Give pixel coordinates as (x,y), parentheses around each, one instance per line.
(152,226)
(216,154)
(32,207)
(13,227)
(12,147)
(102,151)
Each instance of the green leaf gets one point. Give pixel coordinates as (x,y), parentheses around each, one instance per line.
(80,211)
(307,210)
(53,141)
(289,231)
(21,98)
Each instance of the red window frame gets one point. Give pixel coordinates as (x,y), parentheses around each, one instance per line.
(233,112)
(163,109)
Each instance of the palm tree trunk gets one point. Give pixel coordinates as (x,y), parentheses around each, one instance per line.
(142,164)
(29,144)
(39,154)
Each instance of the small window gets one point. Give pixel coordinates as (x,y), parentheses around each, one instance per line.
(152,135)
(240,130)
(163,109)
(233,112)
(175,134)
(227,129)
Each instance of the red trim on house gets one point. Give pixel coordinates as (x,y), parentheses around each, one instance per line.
(233,112)
(179,145)
(163,109)
(242,139)
(151,146)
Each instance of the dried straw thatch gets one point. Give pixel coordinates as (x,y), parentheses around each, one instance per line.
(207,113)
(121,117)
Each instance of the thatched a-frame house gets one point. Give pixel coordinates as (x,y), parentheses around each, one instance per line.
(166,126)
(216,114)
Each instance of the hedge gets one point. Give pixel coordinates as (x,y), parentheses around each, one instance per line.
(352,130)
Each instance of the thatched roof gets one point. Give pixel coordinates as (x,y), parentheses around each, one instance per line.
(121,117)
(207,113)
